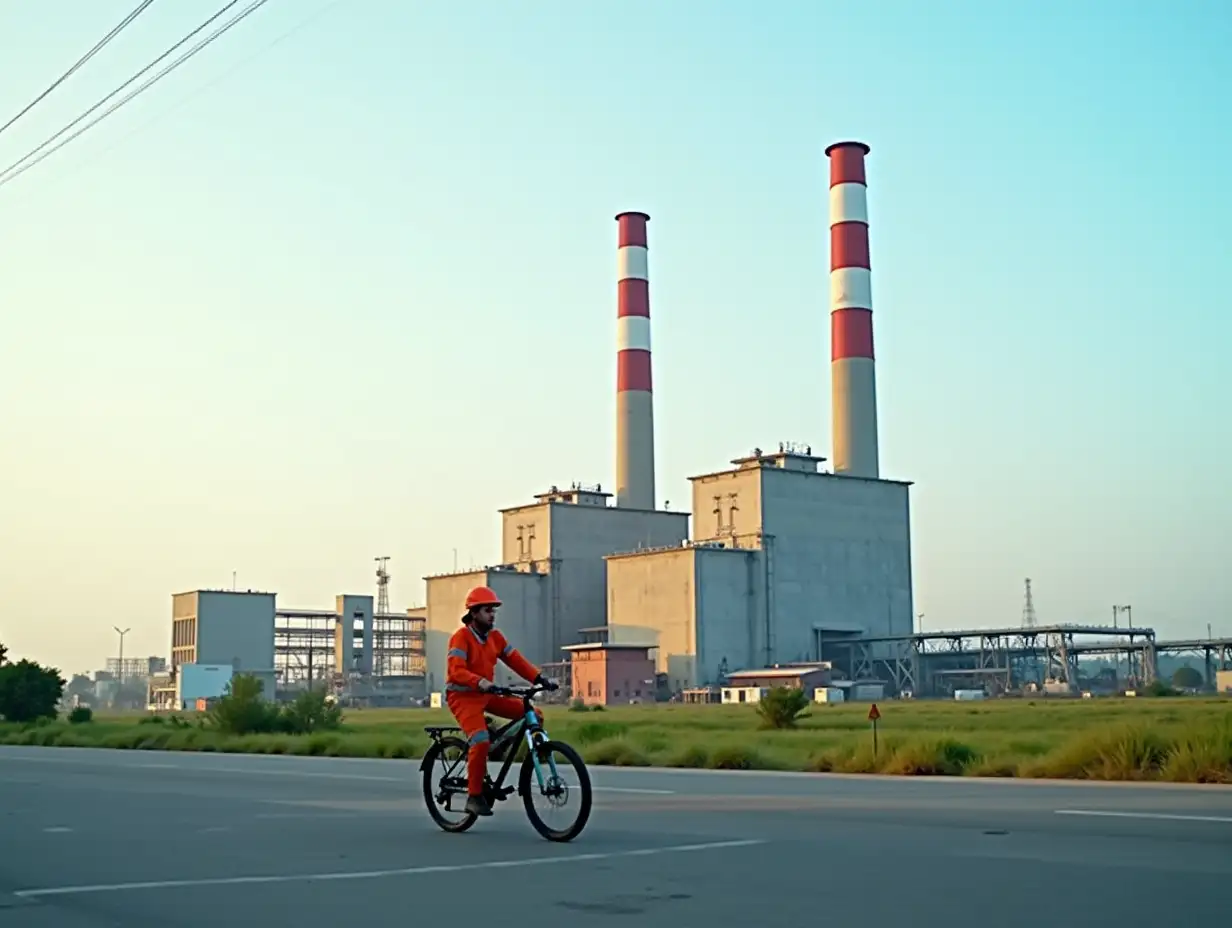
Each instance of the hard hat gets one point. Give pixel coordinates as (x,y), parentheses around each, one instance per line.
(481,596)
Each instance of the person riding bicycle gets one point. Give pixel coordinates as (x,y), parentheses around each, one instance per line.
(471,661)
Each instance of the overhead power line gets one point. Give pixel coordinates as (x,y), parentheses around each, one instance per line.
(37,155)
(98,47)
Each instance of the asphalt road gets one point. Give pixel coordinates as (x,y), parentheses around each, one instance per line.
(99,838)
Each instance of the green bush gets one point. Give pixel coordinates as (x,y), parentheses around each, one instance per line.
(80,715)
(29,691)
(782,707)
(242,710)
(311,712)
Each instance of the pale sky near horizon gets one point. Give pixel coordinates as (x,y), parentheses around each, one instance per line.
(345,295)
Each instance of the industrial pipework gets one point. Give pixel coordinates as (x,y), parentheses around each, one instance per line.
(635,465)
(853,381)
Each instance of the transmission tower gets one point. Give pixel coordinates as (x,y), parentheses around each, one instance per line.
(380,643)
(1028,606)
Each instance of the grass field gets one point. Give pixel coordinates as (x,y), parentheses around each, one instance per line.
(1180,739)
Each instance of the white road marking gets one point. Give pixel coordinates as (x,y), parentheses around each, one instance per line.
(630,789)
(321,775)
(58,830)
(377,874)
(1165,816)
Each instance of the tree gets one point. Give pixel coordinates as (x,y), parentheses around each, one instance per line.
(1187,678)
(29,692)
(782,707)
(3,653)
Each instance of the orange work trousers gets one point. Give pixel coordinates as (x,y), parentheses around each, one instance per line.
(468,709)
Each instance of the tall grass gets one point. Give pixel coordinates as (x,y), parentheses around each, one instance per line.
(1178,740)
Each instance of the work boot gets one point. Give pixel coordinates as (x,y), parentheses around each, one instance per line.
(478,805)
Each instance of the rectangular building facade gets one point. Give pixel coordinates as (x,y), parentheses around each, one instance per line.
(606,674)
(553,567)
(223,627)
(782,554)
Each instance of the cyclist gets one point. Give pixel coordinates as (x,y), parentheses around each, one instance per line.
(473,652)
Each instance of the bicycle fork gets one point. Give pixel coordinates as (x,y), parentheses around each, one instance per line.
(533,726)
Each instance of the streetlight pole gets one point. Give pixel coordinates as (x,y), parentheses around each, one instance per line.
(120,668)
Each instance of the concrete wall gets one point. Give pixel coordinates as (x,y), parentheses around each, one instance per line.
(520,619)
(739,504)
(582,536)
(235,628)
(352,611)
(446,605)
(526,535)
(837,554)
(729,602)
(650,601)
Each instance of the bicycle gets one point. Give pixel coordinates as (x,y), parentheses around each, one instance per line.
(505,743)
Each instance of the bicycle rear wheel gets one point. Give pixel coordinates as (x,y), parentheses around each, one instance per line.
(566,783)
(446,797)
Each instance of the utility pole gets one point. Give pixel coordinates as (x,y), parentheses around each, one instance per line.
(120,667)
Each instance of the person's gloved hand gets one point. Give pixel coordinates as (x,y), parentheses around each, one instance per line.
(550,685)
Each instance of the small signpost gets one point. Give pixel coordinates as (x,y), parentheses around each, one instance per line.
(873,715)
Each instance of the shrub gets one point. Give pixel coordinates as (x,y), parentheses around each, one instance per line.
(782,707)
(312,711)
(29,691)
(578,705)
(80,715)
(1187,678)
(1159,688)
(243,711)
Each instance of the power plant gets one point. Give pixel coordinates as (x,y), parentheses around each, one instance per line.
(783,553)
(786,563)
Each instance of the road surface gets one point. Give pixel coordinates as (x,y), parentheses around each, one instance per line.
(98,838)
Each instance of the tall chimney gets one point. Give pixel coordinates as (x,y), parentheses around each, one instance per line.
(635,475)
(853,381)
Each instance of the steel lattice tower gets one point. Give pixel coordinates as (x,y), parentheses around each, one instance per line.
(380,624)
(1028,606)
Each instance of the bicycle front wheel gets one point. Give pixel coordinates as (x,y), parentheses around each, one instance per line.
(564,790)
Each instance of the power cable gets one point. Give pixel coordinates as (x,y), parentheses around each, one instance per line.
(98,47)
(17,168)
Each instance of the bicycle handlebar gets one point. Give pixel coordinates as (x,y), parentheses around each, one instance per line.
(523,692)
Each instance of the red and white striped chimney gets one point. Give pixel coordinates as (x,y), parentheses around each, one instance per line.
(853,381)
(635,472)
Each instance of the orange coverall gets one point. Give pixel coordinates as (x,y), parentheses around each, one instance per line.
(471,659)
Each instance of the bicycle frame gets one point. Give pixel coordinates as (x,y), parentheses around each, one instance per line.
(530,727)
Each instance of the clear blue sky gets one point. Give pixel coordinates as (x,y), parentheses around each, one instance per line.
(345,295)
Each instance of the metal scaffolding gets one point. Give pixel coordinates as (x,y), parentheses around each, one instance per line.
(306,640)
(998,660)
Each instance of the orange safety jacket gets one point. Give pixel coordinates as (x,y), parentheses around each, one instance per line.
(472,658)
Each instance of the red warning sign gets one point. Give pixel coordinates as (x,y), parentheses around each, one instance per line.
(874,713)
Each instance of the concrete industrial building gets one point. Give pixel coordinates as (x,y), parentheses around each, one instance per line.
(362,655)
(552,577)
(792,554)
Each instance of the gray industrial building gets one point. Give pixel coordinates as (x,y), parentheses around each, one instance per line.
(367,656)
(552,577)
(786,555)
